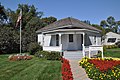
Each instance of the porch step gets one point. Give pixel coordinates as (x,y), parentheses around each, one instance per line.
(73,55)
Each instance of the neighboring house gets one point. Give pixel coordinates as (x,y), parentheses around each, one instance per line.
(68,34)
(111,38)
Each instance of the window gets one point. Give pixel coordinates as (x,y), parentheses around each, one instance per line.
(94,39)
(57,40)
(70,37)
(112,40)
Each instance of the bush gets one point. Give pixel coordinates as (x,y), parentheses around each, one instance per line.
(100,53)
(104,48)
(118,44)
(34,47)
(53,55)
(110,46)
(42,54)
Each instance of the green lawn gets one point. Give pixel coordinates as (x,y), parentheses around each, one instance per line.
(35,69)
(112,53)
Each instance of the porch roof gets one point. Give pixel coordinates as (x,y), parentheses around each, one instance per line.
(68,23)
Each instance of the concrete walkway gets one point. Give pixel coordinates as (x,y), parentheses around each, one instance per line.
(77,71)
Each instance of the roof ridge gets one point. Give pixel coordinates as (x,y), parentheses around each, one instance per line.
(70,20)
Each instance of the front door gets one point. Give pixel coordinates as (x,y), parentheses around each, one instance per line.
(71,40)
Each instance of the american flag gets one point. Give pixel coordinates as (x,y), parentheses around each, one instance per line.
(19,18)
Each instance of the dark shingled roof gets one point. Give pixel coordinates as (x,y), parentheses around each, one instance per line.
(68,21)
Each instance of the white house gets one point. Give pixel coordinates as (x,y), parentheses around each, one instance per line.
(111,38)
(69,34)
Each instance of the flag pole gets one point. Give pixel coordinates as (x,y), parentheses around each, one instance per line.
(20,32)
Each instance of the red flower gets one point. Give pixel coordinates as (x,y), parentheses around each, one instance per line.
(66,70)
(104,65)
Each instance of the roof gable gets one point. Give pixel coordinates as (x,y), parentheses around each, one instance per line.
(68,22)
(112,34)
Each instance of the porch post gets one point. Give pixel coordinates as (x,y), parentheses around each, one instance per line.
(83,45)
(42,40)
(60,42)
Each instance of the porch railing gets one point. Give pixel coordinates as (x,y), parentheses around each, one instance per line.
(53,48)
(89,49)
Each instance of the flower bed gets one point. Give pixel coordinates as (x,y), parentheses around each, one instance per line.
(101,69)
(19,57)
(66,70)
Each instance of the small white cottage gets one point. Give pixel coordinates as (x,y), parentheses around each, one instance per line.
(111,38)
(68,34)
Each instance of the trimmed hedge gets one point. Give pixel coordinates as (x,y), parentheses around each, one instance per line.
(42,54)
(110,46)
(53,55)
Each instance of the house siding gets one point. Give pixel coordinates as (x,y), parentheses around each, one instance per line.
(111,35)
(40,38)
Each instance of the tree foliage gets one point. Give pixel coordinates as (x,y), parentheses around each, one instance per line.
(3,17)
(9,40)
(100,28)
(110,24)
(48,20)
(31,21)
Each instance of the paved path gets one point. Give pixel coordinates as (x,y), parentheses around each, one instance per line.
(78,72)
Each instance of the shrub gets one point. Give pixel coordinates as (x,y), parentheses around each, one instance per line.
(42,54)
(118,44)
(104,48)
(100,53)
(34,47)
(110,46)
(53,55)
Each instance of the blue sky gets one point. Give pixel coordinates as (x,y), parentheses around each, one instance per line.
(93,10)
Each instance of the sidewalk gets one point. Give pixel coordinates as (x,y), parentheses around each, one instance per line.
(77,71)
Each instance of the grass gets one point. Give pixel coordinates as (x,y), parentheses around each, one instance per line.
(112,53)
(34,69)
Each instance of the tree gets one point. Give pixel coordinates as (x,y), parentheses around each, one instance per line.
(48,20)
(3,17)
(87,22)
(28,12)
(31,21)
(104,24)
(110,24)
(118,26)
(9,40)
(100,28)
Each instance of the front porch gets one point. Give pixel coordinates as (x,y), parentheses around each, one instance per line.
(75,42)
(70,41)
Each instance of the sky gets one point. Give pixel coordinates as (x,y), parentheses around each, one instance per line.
(92,10)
